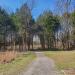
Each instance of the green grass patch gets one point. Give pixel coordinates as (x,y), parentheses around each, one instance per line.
(18,65)
(63,59)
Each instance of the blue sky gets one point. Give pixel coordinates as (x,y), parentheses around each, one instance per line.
(41,5)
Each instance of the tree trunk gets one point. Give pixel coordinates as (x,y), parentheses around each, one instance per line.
(23,44)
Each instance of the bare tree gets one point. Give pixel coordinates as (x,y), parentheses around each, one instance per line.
(64,8)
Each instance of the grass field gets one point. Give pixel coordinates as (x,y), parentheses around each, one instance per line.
(63,59)
(17,65)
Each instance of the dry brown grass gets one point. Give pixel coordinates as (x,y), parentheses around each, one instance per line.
(69,72)
(22,59)
(65,60)
(8,56)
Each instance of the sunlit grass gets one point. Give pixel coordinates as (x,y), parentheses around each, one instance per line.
(19,64)
(63,59)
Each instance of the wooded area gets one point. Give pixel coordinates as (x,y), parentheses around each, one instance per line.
(56,30)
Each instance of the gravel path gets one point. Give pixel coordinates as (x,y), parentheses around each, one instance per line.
(41,66)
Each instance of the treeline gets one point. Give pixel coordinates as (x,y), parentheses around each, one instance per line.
(18,29)
(58,31)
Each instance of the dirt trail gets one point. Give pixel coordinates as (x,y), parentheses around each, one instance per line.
(41,66)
